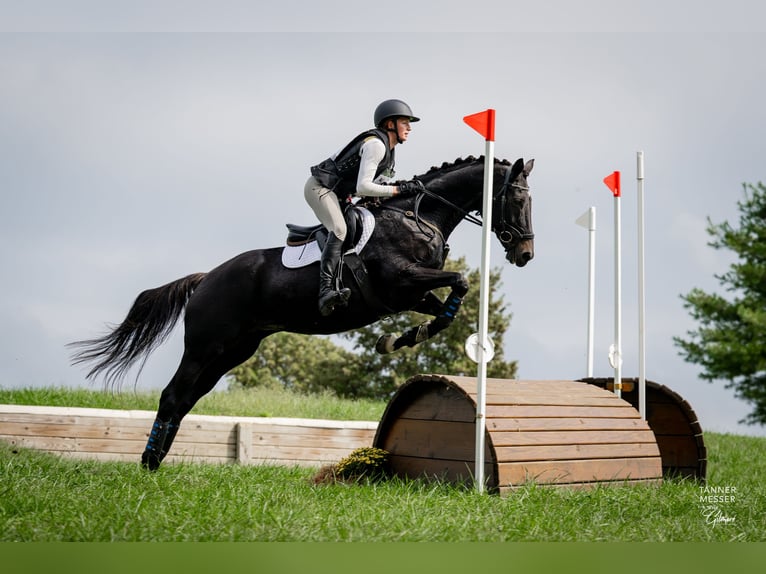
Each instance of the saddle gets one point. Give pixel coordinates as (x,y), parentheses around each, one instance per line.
(305,244)
(302,234)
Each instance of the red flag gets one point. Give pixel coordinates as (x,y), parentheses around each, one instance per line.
(484,123)
(612,181)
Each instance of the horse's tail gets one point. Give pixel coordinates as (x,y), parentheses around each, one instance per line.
(148,323)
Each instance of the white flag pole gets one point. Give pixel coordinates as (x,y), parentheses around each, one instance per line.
(484,314)
(484,123)
(588,220)
(641,289)
(615,352)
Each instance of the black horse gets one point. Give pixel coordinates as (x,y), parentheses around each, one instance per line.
(231,309)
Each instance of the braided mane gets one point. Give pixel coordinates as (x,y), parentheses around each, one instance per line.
(447,167)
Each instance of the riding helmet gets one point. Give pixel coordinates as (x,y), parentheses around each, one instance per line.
(393,109)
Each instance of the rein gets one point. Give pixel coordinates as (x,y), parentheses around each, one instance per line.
(466,215)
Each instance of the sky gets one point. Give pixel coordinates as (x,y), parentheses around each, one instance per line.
(142,143)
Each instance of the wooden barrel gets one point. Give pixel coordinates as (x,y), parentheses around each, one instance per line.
(563,433)
(675,425)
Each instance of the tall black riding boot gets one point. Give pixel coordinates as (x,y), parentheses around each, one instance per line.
(329,297)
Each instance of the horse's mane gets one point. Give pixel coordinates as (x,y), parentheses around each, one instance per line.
(448,167)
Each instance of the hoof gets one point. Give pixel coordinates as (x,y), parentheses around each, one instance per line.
(150,461)
(385,344)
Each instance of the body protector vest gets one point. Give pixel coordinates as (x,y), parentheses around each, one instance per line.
(341,173)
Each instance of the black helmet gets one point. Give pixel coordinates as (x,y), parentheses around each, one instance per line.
(393,109)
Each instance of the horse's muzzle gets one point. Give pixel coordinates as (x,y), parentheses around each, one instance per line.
(522,254)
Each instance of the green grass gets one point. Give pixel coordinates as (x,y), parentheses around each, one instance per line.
(45,498)
(234,402)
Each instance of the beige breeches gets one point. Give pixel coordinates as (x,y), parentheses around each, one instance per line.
(326,207)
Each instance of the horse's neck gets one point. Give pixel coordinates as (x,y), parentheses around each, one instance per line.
(457,191)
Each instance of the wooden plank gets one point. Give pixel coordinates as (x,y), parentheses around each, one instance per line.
(115,432)
(134,448)
(555,400)
(469,385)
(53,417)
(324,438)
(20,419)
(625,411)
(244,443)
(571,437)
(567,472)
(440,405)
(575,452)
(564,424)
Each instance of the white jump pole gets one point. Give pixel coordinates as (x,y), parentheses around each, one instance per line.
(615,353)
(484,123)
(588,220)
(641,289)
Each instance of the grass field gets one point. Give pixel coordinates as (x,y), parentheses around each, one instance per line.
(44,498)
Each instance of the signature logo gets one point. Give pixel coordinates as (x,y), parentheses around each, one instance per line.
(714,516)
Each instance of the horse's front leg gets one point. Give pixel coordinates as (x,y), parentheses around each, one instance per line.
(444,312)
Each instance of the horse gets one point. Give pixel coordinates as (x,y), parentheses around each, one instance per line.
(230,309)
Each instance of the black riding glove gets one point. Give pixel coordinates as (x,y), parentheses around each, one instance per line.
(411,187)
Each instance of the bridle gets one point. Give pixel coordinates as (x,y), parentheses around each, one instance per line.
(506,231)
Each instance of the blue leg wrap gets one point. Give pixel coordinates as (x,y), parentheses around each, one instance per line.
(157,436)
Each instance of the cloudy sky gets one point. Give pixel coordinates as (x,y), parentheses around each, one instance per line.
(137,146)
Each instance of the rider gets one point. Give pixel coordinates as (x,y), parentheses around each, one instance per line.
(363,167)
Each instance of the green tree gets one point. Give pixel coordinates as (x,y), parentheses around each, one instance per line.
(301,363)
(730,341)
(307,363)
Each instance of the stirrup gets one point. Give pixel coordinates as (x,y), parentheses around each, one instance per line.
(332,299)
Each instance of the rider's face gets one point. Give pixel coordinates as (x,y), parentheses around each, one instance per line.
(403,128)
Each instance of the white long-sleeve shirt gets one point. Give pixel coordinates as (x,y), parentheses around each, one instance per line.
(372,153)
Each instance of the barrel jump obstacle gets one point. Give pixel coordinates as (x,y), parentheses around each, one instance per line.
(559,433)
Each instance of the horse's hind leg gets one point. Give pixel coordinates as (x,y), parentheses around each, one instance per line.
(169,415)
(192,380)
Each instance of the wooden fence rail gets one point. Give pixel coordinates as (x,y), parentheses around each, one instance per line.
(121,435)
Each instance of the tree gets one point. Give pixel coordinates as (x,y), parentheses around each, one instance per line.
(730,342)
(301,363)
(309,363)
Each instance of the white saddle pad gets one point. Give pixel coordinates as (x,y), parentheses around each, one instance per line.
(295,256)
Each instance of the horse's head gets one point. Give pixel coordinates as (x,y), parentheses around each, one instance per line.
(455,191)
(512,211)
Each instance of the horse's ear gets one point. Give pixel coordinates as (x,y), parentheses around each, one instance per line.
(517,168)
(528,167)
